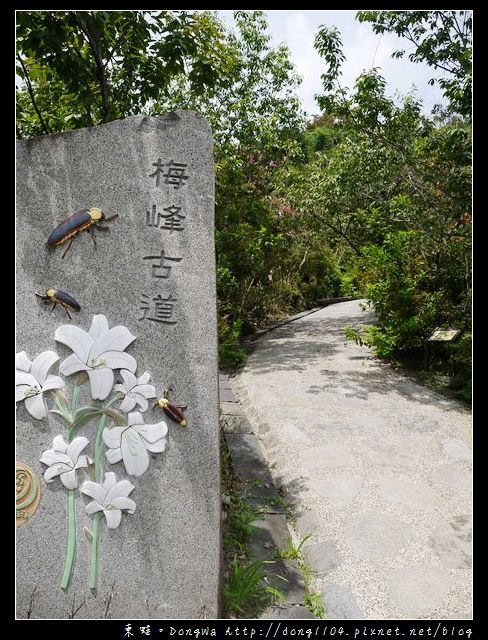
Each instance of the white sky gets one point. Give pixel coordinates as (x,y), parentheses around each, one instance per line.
(362,48)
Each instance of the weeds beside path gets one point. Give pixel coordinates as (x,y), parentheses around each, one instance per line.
(262,577)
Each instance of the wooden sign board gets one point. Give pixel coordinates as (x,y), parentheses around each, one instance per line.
(444,335)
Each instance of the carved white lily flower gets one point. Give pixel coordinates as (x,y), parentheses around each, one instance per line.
(97,352)
(132,443)
(109,497)
(32,380)
(64,459)
(135,390)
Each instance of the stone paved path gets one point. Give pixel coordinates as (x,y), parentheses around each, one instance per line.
(377,466)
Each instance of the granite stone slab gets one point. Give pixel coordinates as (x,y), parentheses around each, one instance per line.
(322,556)
(152,271)
(227,395)
(341,603)
(248,458)
(270,536)
(290,612)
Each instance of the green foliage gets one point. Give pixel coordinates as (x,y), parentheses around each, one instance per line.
(311,600)
(329,45)
(320,274)
(292,551)
(258,127)
(350,279)
(322,134)
(383,340)
(267,265)
(442,39)
(460,364)
(391,196)
(257,110)
(315,604)
(240,515)
(231,354)
(82,68)
(461,353)
(354,336)
(415,287)
(246,592)
(369,199)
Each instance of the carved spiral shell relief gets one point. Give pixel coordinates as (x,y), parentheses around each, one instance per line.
(28,492)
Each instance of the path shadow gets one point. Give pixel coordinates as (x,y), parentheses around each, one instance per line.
(382,379)
(296,345)
(315,339)
(291,490)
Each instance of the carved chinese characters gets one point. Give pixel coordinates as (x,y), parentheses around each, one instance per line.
(160,306)
(172,220)
(175,173)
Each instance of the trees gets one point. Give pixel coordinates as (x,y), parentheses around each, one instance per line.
(371,199)
(391,195)
(257,108)
(442,39)
(257,125)
(85,68)
(82,68)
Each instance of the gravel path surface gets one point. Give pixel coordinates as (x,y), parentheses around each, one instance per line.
(377,466)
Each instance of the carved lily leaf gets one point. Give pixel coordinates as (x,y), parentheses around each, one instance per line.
(91,469)
(83,415)
(81,378)
(116,416)
(65,417)
(63,408)
(60,399)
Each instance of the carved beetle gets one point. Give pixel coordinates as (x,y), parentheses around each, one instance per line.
(62,298)
(85,220)
(172,411)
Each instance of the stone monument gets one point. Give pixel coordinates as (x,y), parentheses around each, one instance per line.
(145,287)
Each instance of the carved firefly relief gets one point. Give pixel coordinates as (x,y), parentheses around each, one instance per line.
(65,300)
(84,220)
(175,412)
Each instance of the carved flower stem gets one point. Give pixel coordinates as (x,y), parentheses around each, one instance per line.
(71,544)
(97,518)
(74,398)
